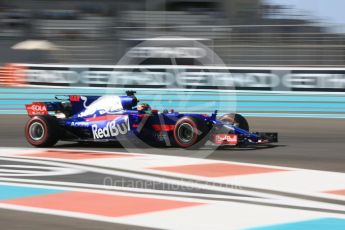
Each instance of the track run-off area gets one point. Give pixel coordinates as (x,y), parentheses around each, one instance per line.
(299,183)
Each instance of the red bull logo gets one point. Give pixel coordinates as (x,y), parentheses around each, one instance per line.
(112,129)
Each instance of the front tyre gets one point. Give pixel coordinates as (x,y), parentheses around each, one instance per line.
(189,132)
(41,131)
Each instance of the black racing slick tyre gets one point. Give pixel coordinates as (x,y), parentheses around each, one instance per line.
(236,120)
(42,131)
(190,132)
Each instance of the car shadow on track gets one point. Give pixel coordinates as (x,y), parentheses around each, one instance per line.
(250,148)
(119,147)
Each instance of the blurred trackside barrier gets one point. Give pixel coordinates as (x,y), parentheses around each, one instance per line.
(248,103)
(262,90)
(177,76)
(12,75)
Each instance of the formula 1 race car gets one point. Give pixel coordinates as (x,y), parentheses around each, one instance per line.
(120,118)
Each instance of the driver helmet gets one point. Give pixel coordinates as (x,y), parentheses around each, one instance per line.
(143,107)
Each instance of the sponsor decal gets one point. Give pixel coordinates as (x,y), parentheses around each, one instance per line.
(36,108)
(225,139)
(111,129)
(80,124)
(74,98)
(102,105)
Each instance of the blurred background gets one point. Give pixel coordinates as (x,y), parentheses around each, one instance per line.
(241,32)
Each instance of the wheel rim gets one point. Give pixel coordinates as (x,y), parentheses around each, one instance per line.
(36,131)
(185,132)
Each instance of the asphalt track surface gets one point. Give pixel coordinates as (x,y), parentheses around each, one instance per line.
(303,143)
(16,220)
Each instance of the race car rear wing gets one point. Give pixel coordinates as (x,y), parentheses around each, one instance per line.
(70,104)
(36,108)
(43,108)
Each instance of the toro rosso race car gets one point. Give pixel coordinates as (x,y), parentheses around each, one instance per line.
(119,118)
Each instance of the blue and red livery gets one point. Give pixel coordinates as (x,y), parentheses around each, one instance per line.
(116,118)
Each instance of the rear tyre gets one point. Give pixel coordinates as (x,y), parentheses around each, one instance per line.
(190,132)
(236,120)
(42,131)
